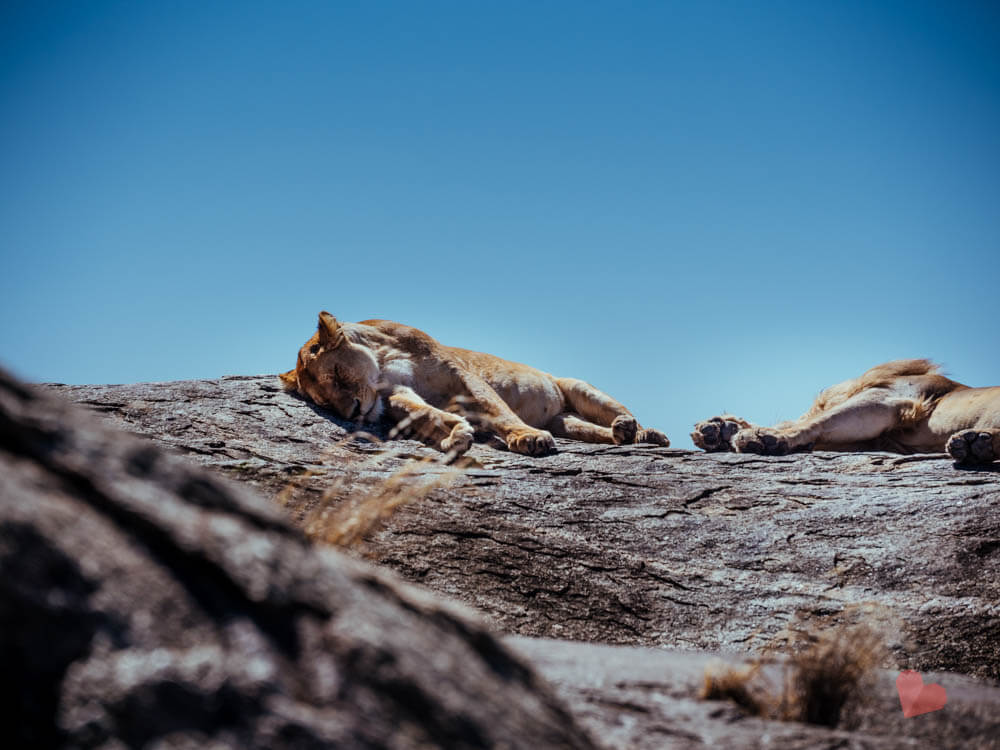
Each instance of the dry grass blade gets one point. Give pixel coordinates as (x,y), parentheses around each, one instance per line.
(359,515)
(349,511)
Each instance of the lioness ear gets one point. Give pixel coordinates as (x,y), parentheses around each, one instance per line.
(290,380)
(330,335)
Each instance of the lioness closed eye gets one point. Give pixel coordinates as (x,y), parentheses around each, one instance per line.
(360,369)
(904,406)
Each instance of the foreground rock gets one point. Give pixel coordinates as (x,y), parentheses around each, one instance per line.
(636,544)
(648,699)
(145,603)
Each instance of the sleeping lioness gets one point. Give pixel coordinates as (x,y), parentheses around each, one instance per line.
(358,370)
(905,406)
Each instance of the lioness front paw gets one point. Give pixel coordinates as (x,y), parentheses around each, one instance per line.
(716,434)
(459,441)
(652,436)
(971,447)
(531,442)
(760,441)
(624,429)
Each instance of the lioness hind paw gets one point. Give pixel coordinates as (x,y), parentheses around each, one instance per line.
(971,447)
(652,436)
(531,443)
(760,441)
(715,435)
(624,429)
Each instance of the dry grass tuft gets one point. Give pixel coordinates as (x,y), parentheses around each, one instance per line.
(833,669)
(354,506)
(361,513)
(736,684)
(824,674)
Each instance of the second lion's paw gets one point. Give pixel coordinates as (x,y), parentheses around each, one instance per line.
(760,441)
(971,447)
(716,434)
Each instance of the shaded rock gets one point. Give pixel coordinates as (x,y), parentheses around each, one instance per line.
(147,603)
(646,699)
(633,544)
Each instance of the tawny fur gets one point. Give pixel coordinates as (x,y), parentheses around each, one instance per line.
(444,394)
(904,406)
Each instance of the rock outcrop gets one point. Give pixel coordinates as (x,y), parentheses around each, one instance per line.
(146,603)
(632,544)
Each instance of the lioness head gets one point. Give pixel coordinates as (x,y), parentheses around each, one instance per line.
(336,374)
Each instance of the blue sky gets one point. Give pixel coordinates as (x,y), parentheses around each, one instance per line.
(696,206)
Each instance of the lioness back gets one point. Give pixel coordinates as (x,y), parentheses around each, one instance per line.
(530,392)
